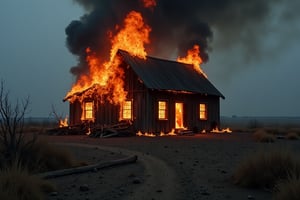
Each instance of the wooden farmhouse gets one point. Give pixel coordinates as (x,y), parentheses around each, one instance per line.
(162,96)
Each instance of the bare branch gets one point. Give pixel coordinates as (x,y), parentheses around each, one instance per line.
(57,116)
(11,124)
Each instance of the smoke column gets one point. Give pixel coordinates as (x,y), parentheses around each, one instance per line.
(176,25)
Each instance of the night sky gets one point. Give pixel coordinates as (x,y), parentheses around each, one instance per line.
(259,81)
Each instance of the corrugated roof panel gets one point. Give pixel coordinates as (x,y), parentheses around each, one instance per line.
(162,74)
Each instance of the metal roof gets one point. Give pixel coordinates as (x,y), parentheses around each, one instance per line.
(160,74)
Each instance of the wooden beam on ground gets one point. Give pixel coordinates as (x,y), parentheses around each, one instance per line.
(76,170)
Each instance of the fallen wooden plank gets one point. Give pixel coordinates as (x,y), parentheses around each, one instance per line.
(76,170)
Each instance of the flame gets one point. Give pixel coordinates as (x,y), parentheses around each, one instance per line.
(63,122)
(89,131)
(179,115)
(105,78)
(149,3)
(193,58)
(224,130)
(162,134)
(132,37)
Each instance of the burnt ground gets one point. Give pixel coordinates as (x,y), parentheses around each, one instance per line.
(180,167)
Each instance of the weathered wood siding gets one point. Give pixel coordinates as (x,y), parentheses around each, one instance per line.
(75,113)
(106,113)
(145,108)
(191,111)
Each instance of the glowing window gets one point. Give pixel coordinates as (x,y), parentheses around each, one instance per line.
(162,110)
(127,110)
(203,111)
(88,110)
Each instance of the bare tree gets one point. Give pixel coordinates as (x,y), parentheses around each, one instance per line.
(11,125)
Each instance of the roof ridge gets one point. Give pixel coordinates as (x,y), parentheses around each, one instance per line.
(157,58)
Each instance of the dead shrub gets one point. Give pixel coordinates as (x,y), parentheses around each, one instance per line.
(16,184)
(292,136)
(263,136)
(289,189)
(265,168)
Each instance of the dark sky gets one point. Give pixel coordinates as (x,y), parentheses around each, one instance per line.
(259,81)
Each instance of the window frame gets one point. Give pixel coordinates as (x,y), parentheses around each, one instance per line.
(165,110)
(123,109)
(85,110)
(203,114)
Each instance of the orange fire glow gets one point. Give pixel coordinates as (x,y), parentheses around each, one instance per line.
(149,3)
(179,115)
(162,134)
(63,122)
(132,37)
(106,78)
(224,130)
(193,58)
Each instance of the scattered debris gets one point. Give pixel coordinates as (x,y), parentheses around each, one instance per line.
(93,130)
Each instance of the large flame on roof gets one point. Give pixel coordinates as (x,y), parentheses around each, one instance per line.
(193,58)
(106,78)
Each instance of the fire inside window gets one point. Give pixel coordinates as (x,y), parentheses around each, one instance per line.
(203,111)
(162,110)
(88,110)
(127,110)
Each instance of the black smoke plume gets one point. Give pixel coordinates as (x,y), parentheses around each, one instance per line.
(176,25)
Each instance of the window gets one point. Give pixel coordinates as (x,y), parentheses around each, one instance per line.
(162,110)
(127,110)
(88,110)
(203,111)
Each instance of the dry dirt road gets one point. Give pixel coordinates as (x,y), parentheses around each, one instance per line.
(180,167)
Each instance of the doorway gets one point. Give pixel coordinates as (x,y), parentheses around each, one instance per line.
(179,115)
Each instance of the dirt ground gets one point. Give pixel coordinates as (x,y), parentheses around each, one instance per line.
(180,167)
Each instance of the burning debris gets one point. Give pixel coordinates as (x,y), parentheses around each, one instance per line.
(224,130)
(63,122)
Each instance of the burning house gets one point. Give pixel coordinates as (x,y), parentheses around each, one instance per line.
(161,95)
(153,95)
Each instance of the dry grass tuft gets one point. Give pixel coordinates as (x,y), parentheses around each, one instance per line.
(265,168)
(16,184)
(263,136)
(39,156)
(289,189)
(292,136)
(42,156)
